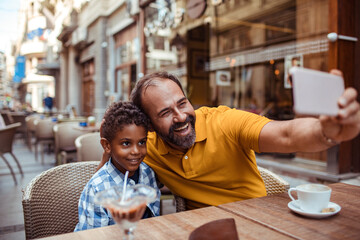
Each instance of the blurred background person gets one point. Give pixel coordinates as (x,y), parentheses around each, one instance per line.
(48,103)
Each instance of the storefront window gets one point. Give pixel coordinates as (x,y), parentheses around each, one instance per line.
(238,52)
(127,52)
(126,57)
(159,19)
(249,44)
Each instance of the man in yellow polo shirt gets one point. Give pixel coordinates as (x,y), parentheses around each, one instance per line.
(220,166)
(207,155)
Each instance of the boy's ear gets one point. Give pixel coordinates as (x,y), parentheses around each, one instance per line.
(106,145)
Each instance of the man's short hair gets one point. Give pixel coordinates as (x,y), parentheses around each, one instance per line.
(147,81)
(120,114)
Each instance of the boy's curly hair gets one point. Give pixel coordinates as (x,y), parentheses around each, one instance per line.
(120,114)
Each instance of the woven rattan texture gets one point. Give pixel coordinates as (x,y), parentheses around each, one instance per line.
(180,203)
(273,184)
(50,201)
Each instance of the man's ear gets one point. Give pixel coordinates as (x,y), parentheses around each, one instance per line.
(106,145)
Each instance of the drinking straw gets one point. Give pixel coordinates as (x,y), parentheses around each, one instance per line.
(124,186)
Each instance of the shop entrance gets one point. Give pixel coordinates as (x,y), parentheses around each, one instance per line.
(198,40)
(125,80)
(88,87)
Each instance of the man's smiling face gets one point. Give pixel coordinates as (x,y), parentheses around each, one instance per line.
(170,112)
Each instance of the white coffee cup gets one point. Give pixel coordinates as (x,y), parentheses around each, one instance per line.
(312,198)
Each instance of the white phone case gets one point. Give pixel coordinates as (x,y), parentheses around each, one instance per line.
(315,92)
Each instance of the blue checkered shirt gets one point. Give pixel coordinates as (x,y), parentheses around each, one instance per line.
(92,215)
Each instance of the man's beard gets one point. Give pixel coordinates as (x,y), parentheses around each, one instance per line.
(183,142)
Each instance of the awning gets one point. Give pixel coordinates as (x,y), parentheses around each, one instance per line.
(36,78)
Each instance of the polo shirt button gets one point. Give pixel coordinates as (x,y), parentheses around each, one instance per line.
(186,157)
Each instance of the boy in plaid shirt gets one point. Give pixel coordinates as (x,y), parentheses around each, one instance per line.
(124,134)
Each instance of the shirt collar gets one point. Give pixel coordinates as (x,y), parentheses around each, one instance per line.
(200,127)
(118,177)
(115,173)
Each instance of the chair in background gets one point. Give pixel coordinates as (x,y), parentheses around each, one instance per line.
(22,130)
(7,117)
(88,147)
(6,142)
(44,135)
(166,194)
(65,135)
(273,184)
(50,200)
(30,128)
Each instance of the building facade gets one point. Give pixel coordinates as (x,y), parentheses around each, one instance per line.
(32,45)
(238,53)
(225,52)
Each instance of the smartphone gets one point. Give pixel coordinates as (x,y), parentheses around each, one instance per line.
(316,93)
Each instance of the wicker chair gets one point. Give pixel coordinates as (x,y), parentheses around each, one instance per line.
(50,200)
(273,184)
(6,142)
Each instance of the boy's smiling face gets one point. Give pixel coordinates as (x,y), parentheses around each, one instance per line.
(128,148)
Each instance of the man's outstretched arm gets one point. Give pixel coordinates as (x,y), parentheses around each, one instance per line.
(314,134)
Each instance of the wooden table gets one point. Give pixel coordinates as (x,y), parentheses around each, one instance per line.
(272,211)
(260,218)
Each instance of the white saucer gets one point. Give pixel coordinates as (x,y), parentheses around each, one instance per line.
(294,208)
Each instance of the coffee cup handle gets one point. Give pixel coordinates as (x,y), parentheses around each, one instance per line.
(289,192)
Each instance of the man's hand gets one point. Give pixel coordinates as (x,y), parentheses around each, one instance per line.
(104,159)
(106,156)
(314,134)
(346,125)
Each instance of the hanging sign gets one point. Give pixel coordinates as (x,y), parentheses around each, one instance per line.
(196,8)
(19,69)
(223,78)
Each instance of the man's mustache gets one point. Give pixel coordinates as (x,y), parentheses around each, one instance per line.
(189,119)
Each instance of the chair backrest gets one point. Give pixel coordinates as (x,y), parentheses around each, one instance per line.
(44,128)
(7,136)
(7,117)
(30,122)
(65,135)
(21,119)
(273,184)
(50,200)
(88,147)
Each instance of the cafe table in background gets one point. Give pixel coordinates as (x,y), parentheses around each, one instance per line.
(260,218)
(73,119)
(88,128)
